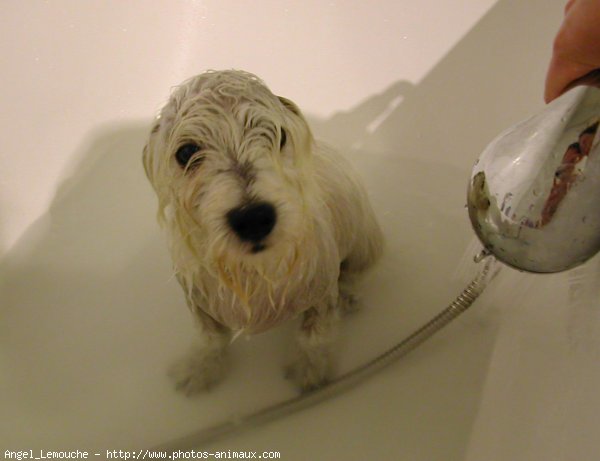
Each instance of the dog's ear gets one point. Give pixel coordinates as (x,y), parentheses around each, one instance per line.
(147,154)
(289,105)
(147,163)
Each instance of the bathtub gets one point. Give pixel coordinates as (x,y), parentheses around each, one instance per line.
(91,316)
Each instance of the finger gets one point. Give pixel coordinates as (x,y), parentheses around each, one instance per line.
(561,75)
(569,5)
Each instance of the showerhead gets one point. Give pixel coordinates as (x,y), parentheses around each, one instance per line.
(534,194)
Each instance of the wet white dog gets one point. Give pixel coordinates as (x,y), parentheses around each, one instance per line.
(264,223)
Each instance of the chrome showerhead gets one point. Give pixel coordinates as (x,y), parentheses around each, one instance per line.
(534,194)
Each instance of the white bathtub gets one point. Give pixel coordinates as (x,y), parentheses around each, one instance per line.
(90,316)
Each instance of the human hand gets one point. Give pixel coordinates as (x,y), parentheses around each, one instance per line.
(576,50)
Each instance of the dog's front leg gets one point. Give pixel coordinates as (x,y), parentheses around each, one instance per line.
(312,364)
(205,363)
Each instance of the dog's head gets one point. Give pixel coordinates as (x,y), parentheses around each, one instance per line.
(230,163)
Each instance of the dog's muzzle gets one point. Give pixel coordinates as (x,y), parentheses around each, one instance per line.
(252,223)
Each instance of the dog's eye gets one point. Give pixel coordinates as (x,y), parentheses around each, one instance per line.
(282,139)
(185,153)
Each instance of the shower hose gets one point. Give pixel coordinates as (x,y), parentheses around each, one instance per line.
(345,381)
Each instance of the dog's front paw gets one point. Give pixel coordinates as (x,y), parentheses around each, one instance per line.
(309,371)
(198,371)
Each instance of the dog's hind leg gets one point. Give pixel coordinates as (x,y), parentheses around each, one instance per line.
(366,251)
(348,296)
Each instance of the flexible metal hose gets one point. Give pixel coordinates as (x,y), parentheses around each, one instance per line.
(341,383)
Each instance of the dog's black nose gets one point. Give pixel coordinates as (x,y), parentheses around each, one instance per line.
(252,222)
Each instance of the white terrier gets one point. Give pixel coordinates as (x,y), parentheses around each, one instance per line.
(263,222)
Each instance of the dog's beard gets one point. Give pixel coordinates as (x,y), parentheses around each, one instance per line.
(251,291)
